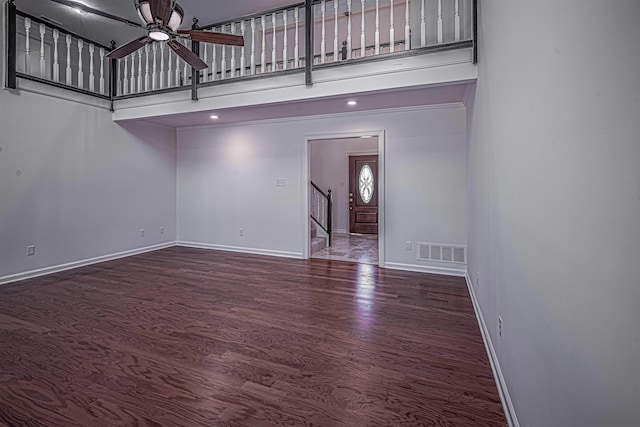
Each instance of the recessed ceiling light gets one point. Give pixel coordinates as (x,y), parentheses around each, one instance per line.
(352,103)
(79,11)
(214,117)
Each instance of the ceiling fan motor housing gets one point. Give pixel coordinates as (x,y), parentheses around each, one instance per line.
(158,28)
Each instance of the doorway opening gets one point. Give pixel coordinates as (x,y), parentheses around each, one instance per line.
(348,170)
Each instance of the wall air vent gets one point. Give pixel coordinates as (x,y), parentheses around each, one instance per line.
(444,253)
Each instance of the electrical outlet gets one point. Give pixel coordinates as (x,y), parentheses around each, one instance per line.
(142,232)
(161,230)
(241,232)
(408,245)
(31,250)
(500,326)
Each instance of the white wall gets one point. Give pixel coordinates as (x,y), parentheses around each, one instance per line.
(554,186)
(329,170)
(77,185)
(227,180)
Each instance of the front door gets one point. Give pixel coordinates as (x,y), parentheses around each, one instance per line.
(363,194)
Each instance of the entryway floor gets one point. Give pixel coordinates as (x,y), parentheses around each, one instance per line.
(361,248)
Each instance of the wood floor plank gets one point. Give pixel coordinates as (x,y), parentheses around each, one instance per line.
(190,337)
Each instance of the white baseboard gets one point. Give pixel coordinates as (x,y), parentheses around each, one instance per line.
(240,249)
(82,263)
(426,269)
(503,391)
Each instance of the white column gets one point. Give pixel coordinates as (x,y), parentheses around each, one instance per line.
(132,80)
(27,46)
(185,70)
(177,73)
(423,27)
(363,39)
(439,21)
(336,53)
(169,69)
(274,58)
(323,47)
(263,57)
(92,83)
(102,53)
(154,73)
(56,65)
(80,72)
(161,79)
(243,29)
(392,33)
(407,26)
(457,22)
(377,35)
(125,75)
(253,46)
(223,62)
(43,64)
(296,47)
(68,70)
(204,53)
(284,37)
(146,68)
(349,44)
(140,81)
(233,52)
(214,63)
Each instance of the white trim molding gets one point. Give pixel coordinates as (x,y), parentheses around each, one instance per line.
(255,251)
(457,272)
(503,391)
(81,263)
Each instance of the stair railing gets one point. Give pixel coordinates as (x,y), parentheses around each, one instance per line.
(321,209)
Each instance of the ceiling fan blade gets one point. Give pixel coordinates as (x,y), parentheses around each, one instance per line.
(76,5)
(161,9)
(128,48)
(210,37)
(189,57)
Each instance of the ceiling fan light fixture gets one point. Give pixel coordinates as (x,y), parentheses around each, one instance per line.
(159,35)
(177,14)
(144,10)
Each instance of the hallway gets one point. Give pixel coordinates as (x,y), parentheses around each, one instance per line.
(360,248)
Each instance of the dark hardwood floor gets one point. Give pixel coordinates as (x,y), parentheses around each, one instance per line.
(188,337)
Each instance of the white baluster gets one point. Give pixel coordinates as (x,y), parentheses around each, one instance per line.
(363,41)
(323,47)
(296,47)
(349,44)
(457,23)
(132,80)
(161,79)
(43,64)
(92,81)
(146,68)
(205,59)
(274,58)
(154,71)
(185,70)
(253,46)
(68,70)
(392,33)
(125,76)
(140,81)
(233,52)
(407,26)
(439,21)
(214,70)
(263,57)
(223,61)
(119,88)
(284,48)
(80,71)
(27,46)
(56,65)
(169,68)
(102,53)
(243,29)
(377,34)
(336,53)
(423,27)
(177,70)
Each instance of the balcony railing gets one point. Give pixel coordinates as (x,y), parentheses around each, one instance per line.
(277,42)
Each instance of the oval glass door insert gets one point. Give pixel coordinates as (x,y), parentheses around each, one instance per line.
(365,183)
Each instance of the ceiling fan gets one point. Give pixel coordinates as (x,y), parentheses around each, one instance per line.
(161,19)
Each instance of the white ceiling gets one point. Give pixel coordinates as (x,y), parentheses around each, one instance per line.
(103,30)
(334,105)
